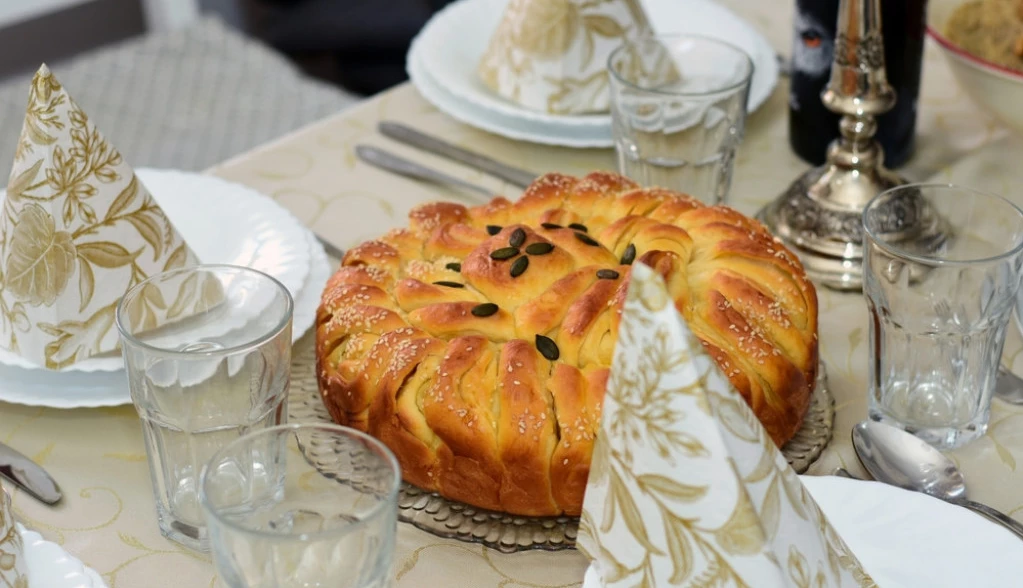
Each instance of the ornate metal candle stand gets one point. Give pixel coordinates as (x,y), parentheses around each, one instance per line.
(819,216)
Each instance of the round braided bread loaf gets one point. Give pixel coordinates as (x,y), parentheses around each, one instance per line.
(476,344)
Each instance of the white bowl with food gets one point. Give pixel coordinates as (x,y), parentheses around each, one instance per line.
(983,43)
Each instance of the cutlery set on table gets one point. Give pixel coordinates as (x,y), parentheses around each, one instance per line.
(407,135)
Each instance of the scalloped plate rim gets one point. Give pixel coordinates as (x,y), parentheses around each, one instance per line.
(112,389)
(470,114)
(63,571)
(273,214)
(428,42)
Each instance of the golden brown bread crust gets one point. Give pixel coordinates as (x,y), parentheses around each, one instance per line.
(466,400)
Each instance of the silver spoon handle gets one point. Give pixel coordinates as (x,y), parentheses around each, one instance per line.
(982,509)
(992,515)
(399,165)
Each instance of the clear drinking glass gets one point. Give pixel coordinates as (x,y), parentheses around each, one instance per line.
(939,307)
(208,355)
(310,505)
(678,112)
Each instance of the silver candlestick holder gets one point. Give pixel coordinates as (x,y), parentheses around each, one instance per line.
(820,215)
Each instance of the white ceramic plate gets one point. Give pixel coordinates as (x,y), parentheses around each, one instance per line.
(908,540)
(475,116)
(49,566)
(451,67)
(100,388)
(223,222)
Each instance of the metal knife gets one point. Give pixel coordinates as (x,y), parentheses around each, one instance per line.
(409,136)
(395,163)
(331,249)
(28,475)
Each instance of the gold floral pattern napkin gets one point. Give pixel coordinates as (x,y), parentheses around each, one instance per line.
(77,230)
(686,488)
(551,55)
(13,571)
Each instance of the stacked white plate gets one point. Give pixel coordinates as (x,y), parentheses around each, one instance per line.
(444,72)
(224,223)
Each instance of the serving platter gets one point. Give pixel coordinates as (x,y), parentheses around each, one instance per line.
(508,533)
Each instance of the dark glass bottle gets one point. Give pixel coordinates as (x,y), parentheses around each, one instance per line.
(812,126)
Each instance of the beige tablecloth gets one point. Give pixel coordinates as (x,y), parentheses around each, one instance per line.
(97,455)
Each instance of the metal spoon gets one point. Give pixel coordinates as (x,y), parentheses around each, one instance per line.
(896,457)
(28,475)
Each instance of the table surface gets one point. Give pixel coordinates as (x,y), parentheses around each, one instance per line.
(108,519)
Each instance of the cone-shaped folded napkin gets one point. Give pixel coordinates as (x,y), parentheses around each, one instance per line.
(686,488)
(77,230)
(13,569)
(551,55)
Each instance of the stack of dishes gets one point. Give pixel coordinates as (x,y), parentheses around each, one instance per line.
(224,223)
(446,75)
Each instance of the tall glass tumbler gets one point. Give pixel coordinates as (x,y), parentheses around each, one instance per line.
(208,355)
(310,505)
(938,308)
(678,112)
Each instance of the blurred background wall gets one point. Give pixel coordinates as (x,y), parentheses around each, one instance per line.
(358,45)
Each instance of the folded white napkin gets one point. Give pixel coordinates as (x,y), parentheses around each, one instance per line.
(77,230)
(551,55)
(686,488)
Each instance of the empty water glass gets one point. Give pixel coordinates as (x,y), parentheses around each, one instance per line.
(678,112)
(208,355)
(310,505)
(941,273)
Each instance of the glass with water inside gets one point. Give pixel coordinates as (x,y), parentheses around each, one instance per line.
(678,112)
(208,355)
(938,307)
(302,506)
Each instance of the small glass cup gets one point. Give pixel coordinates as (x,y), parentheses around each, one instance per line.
(678,112)
(939,307)
(309,505)
(208,355)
